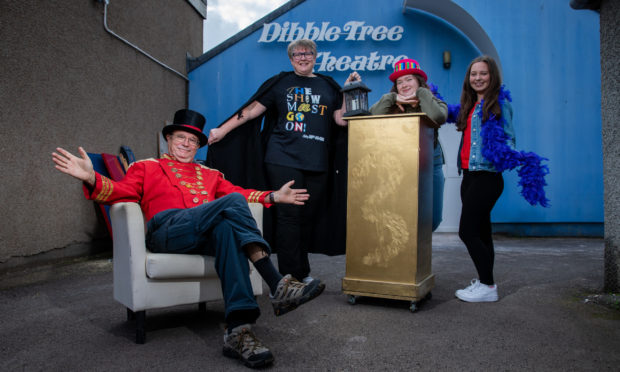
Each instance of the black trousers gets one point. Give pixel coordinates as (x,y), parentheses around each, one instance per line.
(479,193)
(296,225)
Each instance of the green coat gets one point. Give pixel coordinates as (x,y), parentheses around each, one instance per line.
(432,106)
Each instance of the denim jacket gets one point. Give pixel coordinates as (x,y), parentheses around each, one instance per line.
(476,161)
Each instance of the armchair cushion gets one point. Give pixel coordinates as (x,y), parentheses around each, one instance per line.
(161,266)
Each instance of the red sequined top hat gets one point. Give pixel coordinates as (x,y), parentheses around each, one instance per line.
(407,67)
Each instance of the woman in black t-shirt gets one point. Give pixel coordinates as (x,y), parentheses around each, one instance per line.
(305,106)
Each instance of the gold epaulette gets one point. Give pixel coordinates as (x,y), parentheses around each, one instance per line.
(211,169)
(205,167)
(142,161)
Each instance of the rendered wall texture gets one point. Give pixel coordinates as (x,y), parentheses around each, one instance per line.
(610,97)
(66,82)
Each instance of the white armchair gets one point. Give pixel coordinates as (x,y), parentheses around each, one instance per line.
(145,280)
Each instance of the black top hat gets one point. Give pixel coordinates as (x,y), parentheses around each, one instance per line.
(188,121)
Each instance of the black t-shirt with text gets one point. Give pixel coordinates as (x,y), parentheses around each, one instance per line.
(305,107)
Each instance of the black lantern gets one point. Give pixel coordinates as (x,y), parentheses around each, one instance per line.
(356,99)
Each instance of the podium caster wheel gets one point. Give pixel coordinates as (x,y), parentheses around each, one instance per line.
(413,307)
(352,299)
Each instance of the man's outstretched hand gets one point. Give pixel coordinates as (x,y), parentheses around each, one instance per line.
(80,168)
(287,195)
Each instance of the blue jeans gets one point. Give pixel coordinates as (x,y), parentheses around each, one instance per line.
(438,185)
(220,229)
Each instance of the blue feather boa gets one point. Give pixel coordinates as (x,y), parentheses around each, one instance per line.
(496,150)
(435,91)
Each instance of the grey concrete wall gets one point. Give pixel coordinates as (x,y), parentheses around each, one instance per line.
(610,106)
(65,81)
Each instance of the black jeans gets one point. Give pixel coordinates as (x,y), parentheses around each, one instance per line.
(479,193)
(296,225)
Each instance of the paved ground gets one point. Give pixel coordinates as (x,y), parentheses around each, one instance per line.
(63,318)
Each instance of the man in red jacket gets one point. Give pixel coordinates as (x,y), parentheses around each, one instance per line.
(192,209)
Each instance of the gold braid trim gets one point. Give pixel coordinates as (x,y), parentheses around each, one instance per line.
(256,196)
(106,190)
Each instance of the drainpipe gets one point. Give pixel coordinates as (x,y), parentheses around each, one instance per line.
(105,26)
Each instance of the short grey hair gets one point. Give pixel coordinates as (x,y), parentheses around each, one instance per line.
(301,44)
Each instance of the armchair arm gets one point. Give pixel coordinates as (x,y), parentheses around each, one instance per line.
(129,253)
(257,213)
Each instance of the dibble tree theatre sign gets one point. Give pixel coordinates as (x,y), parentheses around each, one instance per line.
(351,31)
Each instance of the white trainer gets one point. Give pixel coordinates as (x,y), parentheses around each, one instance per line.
(478,292)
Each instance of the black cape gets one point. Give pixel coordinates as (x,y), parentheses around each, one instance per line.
(240,157)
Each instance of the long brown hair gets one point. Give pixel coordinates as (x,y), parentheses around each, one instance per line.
(469,96)
(394,109)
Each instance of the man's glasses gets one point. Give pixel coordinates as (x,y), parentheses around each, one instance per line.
(179,138)
(301,55)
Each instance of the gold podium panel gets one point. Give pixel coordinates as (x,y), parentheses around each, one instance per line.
(389,207)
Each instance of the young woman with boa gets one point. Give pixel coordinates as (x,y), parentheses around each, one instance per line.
(487,149)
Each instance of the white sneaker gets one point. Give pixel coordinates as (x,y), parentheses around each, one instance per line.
(307,280)
(478,292)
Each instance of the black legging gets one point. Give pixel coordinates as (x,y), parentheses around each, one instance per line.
(296,225)
(479,192)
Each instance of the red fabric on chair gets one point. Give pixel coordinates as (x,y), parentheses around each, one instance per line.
(114,167)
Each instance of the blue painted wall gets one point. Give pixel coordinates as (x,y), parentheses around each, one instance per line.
(551,62)
(550,58)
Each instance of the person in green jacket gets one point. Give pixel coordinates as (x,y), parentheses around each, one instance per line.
(411,93)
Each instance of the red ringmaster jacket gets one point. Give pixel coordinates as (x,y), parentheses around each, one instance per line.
(162,184)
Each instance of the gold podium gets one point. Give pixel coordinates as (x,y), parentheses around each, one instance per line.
(389,208)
